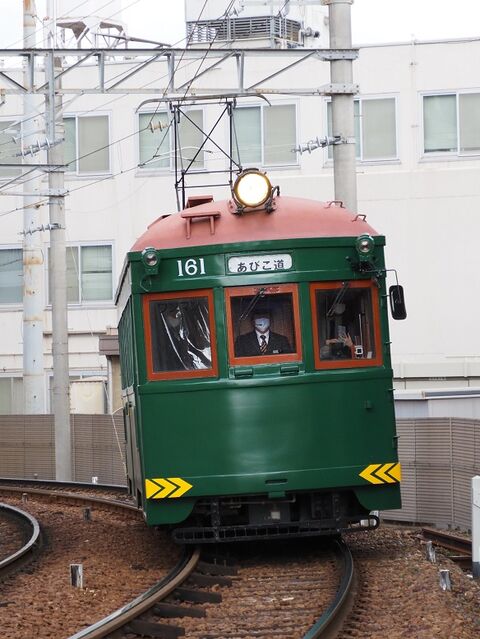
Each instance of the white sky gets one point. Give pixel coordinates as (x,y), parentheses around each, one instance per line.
(373,21)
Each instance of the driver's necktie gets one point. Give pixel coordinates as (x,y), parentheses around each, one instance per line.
(263,345)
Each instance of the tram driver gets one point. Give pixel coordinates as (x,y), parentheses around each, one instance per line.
(261,340)
(340,345)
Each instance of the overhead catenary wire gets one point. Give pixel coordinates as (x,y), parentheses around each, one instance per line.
(225,13)
(23,120)
(49,23)
(96,108)
(102,178)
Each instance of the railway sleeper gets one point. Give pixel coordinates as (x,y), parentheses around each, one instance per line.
(215,569)
(196,596)
(155,630)
(209,580)
(172,611)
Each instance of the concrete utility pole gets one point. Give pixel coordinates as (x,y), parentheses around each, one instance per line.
(476,527)
(58,264)
(33,255)
(341,73)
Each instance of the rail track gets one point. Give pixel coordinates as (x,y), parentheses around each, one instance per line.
(459,549)
(207,596)
(30,529)
(283,586)
(332,619)
(273,590)
(113,497)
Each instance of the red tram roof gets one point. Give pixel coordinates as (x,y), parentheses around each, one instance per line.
(215,223)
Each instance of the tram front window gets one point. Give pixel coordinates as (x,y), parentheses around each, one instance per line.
(346,323)
(262,324)
(180,334)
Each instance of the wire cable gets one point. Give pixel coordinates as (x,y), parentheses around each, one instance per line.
(77,159)
(124,171)
(96,108)
(48,23)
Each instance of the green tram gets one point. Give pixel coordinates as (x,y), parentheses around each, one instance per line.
(256,373)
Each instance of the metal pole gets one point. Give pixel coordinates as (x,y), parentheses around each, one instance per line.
(33,255)
(341,73)
(58,265)
(476,527)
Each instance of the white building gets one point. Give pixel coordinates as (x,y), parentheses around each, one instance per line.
(418,147)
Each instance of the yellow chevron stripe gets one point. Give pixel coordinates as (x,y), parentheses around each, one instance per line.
(382,473)
(396,472)
(367,474)
(182,487)
(161,488)
(151,488)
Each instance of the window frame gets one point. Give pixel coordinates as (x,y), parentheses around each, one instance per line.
(15,173)
(147,327)
(359,158)
(429,155)
(149,168)
(76,171)
(83,303)
(262,107)
(281,358)
(11,376)
(327,364)
(13,305)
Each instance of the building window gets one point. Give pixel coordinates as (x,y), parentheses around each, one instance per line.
(156,140)
(89,274)
(346,324)
(265,135)
(9,149)
(375,129)
(11,276)
(263,328)
(451,123)
(11,396)
(180,335)
(86,145)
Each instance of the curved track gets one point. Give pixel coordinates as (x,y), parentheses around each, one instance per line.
(330,621)
(142,603)
(85,493)
(28,550)
(275,583)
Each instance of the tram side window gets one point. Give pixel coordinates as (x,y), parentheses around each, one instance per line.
(262,325)
(180,334)
(346,324)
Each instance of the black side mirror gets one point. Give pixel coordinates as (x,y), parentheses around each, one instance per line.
(397,302)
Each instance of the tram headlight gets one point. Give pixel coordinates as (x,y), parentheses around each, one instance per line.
(150,260)
(365,246)
(252,188)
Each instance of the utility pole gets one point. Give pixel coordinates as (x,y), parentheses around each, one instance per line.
(343,123)
(58,261)
(33,255)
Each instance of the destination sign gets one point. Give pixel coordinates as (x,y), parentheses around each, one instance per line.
(246,264)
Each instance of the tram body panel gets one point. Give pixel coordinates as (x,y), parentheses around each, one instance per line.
(298,433)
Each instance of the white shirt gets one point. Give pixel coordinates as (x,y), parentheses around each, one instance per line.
(259,337)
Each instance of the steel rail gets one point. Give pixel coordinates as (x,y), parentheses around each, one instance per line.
(31,545)
(339,604)
(53,482)
(79,497)
(448,540)
(140,604)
